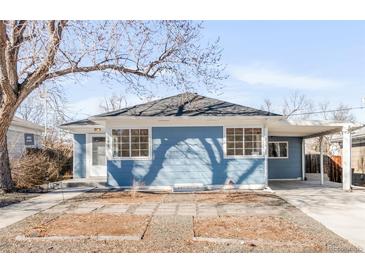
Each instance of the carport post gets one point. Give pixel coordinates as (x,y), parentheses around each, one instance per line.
(346,159)
(321,159)
(303,159)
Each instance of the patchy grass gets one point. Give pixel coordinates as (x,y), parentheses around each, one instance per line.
(126,197)
(90,225)
(251,198)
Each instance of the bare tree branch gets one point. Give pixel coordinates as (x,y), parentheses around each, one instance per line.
(4,78)
(132,53)
(55,33)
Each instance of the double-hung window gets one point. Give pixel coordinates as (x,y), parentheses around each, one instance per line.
(243,142)
(130,143)
(278,150)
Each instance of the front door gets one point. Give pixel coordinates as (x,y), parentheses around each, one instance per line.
(98,160)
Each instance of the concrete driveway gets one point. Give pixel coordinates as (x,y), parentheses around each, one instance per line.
(342,212)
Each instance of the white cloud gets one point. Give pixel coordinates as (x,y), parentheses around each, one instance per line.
(272,77)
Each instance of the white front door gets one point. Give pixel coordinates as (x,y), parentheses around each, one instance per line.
(97,158)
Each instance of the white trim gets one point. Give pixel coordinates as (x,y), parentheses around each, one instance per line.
(321,162)
(346,159)
(207,187)
(209,122)
(74,155)
(88,155)
(266,154)
(225,156)
(287,149)
(142,158)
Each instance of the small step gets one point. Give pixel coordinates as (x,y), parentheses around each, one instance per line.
(188,187)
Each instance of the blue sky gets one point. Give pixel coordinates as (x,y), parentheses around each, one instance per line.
(270,59)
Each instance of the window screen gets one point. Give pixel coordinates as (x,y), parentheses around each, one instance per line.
(278,149)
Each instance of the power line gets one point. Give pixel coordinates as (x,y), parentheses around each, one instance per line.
(326,111)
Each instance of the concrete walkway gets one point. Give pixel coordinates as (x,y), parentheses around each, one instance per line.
(342,212)
(14,213)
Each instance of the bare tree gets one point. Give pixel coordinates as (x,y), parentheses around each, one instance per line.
(32,109)
(267,105)
(340,113)
(113,102)
(34,106)
(299,106)
(296,104)
(40,53)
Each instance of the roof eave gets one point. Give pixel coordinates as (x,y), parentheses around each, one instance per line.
(207,117)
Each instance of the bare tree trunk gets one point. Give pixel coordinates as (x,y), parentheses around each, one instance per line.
(6,182)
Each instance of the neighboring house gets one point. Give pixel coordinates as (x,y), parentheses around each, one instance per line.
(22,134)
(192,140)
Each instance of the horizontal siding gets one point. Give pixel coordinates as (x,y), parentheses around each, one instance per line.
(290,168)
(80,156)
(186,155)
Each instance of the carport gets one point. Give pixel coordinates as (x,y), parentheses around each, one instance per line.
(311,129)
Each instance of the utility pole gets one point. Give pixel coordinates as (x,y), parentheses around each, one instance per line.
(44,95)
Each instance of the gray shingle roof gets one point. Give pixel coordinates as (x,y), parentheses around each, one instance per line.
(84,122)
(184,104)
(187,104)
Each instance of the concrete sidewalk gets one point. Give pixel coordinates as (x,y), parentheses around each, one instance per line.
(342,212)
(14,213)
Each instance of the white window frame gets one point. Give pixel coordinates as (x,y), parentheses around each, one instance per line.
(262,156)
(278,142)
(149,157)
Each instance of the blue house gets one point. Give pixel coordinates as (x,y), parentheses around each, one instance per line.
(192,140)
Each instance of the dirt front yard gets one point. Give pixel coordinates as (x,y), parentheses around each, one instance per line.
(90,224)
(116,221)
(275,231)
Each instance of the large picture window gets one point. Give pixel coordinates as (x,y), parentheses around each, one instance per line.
(130,143)
(278,149)
(243,141)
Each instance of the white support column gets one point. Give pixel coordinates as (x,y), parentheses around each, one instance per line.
(346,159)
(266,154)
(321,159)
(303,159)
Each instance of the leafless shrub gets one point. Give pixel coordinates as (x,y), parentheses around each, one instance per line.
(47,164)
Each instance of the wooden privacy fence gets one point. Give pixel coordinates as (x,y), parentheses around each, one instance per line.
(332,166)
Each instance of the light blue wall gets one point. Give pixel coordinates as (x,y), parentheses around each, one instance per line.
(80,156)
(290,168)
(186,155)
